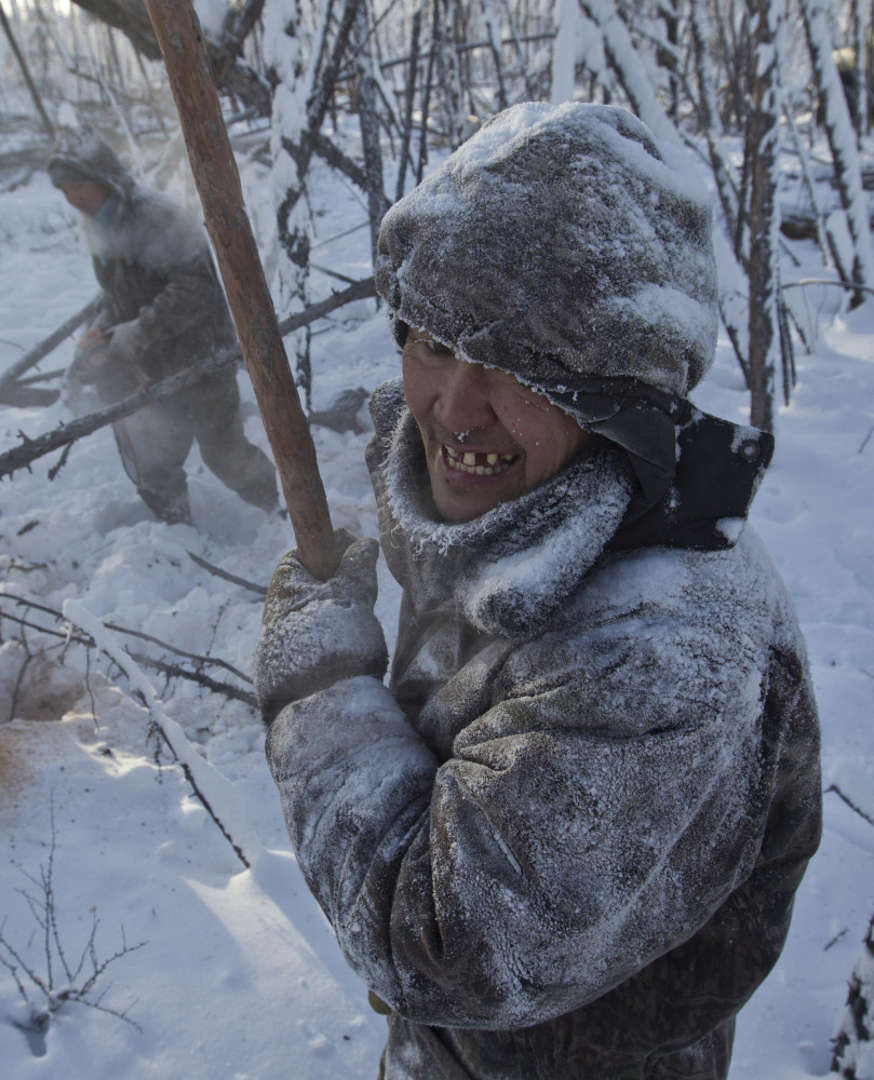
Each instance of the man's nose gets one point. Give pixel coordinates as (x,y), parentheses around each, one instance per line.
(463,401)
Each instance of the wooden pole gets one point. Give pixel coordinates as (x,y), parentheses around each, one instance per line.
(218,184)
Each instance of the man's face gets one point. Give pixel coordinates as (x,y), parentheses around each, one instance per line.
(85,195)
(487,438)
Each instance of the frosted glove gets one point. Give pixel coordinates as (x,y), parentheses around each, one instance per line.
(314,633)
(90,356)
(109,359)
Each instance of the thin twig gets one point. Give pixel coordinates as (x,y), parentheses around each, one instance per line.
(171,670)
(854,285)
(850,803)
(61,462)
(834,940)
(139,634)
(261,590)
(44,909)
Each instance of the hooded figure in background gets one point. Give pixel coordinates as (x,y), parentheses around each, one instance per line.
(562,841)
(162,308)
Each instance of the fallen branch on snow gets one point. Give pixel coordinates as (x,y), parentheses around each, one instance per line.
(849,802)
(213,791)
(261,590)
(33,356)
(171,670)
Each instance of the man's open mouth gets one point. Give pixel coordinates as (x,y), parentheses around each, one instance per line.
(477,463)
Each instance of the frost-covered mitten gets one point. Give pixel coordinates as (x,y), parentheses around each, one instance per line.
(120,375)
(314,633)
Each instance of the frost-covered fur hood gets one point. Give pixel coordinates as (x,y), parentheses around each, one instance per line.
(87,153)
(558,243)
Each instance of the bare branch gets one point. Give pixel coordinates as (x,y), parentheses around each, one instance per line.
(844,798)
(231,73)
(44,909)
(261,590)
(44,347)
(171,670)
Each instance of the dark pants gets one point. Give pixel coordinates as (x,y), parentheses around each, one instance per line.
(154,443)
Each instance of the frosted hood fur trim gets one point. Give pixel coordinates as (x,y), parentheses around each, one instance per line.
(513,566)
(86,152)
(558,242)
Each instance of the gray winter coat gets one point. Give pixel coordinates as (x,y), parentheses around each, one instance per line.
(564,841)
(154,266)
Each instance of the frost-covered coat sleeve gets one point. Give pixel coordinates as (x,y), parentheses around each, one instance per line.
(608,788)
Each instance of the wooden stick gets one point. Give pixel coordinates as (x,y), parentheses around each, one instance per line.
(218,184)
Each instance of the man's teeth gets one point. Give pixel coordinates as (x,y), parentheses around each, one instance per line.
(478,464)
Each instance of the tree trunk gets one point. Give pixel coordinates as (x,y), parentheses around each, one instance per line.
(368,119)
(670,14)
(762,148)
(709,114)
(564,50)
(841,138)
(493,36)
(300,102)
(447,71)
(289,150)
(409,100)
(860,68)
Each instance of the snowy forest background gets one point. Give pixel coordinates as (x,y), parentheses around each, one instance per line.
(146,871)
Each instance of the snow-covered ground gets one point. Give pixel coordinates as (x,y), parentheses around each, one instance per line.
(238,976)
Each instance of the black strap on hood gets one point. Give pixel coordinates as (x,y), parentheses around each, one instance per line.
(694,472)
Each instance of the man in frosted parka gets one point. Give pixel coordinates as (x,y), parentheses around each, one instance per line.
(161,309)
(563,840)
